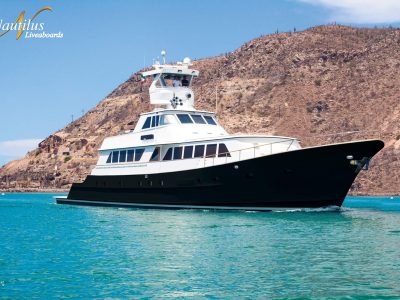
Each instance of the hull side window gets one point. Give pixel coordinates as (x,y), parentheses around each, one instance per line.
(188,152)
(131,153)
(223,151)
(122,156)
(211,150)
(168,155)
(109,158)
(115,156)
(138,154)
(199,151)
(177,152)
(156,154)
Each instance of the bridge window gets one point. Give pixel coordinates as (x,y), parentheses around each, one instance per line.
(147,123)
(185,119)
(109,158)
(188,152)
(199,151)
(198,119)
(168,155)
(130,155)
(211,150)
(138,154)
(223,151)
(210,120)
(177,152)
(122,156)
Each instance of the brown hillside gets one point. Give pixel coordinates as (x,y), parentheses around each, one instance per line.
(309,84)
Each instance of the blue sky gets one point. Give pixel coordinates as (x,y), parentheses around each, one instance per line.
(46,81)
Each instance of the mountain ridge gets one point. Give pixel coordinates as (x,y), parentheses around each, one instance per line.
(310,84)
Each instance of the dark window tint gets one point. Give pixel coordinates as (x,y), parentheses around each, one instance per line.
(198,119)
(177,152)
(147,123)
(211,150)
(130,155)
(157,120)
(156,154)
(109,158)
(168,155)
(122,156)
(138,154)
(153,121)
(147,137)
(187,153)
(115,156)
(223,151)
(184,118)
(210,120)
(199,151)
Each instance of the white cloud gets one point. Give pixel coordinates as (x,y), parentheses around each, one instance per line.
(361,11)
(18,148)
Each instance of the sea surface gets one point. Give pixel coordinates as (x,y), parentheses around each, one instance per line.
(62,251)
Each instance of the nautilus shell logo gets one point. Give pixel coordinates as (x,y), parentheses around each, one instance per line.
(28,26)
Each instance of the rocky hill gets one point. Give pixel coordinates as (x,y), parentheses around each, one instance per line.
(310,84)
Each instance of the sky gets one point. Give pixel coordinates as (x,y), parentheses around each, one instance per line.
(46,82)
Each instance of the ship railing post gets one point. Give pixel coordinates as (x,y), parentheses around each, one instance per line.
(290,145)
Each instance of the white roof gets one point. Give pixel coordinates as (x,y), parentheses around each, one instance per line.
(171,69)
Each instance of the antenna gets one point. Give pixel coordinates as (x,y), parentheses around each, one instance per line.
(163,54)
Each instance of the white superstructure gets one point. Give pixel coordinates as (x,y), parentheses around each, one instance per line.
(178,137)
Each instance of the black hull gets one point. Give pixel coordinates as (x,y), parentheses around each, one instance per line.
(306,178)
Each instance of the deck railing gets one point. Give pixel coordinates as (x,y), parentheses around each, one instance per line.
(246,153)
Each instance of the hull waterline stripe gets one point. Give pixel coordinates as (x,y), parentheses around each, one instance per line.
(62,200)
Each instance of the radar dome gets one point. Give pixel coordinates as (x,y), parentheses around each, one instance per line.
(187,61)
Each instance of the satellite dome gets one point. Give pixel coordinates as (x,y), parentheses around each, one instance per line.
(187,61)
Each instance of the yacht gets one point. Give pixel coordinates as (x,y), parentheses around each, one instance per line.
(178,157)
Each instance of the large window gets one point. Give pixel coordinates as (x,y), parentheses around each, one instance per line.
(125,156)
(198,119)
(199,151)
(210,120)
(184,118)
(177,152)
(130,155)
(188,152)
(168,154)
(122,156)
(156,154)
(211,150)
(115,156)
(223,151)
(138,154)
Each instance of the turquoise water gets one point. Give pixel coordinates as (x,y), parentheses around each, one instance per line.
(60,251)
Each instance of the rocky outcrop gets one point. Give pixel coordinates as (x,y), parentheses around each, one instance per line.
(310,84)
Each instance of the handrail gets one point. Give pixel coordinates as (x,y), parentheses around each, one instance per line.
(213,156)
